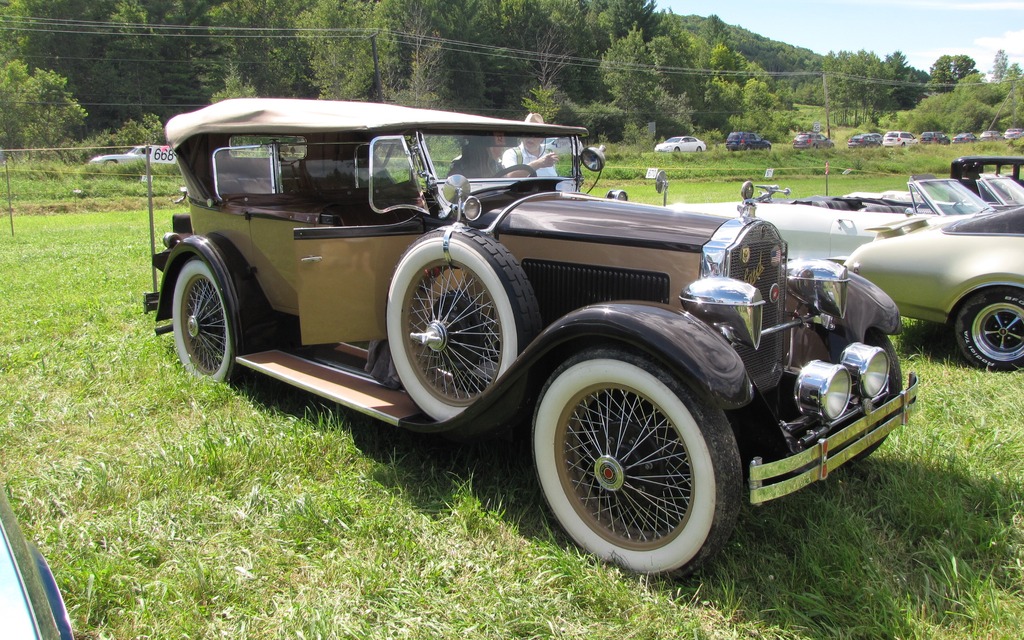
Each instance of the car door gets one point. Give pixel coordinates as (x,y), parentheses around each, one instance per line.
(850,229)
(343,272)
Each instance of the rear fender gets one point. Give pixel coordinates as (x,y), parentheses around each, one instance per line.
(226,263)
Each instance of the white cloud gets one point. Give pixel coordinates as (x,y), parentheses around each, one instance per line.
(983,52)
(939,5)
(1012,42)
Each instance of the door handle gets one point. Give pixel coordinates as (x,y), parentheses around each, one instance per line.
(311,259)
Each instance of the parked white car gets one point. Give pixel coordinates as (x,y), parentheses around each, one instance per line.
(681,143)
(833,226)
(135,154)
(898,139)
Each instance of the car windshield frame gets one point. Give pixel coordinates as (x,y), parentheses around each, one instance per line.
(444,151)
(948,197)
(1003,189)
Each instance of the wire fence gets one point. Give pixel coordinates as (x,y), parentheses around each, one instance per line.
(44,180)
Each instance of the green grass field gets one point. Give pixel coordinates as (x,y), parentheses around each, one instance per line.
(171,507)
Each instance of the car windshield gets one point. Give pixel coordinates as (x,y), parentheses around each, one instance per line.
(1002,189)
(949,197)
(492,155)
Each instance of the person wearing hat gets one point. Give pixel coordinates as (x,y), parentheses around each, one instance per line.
(531,152)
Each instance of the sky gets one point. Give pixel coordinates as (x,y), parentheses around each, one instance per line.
(922,29)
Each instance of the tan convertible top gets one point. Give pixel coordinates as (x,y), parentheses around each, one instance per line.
(293,116)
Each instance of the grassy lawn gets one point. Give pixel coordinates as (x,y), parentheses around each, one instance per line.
(171,507)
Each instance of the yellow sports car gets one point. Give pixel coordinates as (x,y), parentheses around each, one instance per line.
(969,274)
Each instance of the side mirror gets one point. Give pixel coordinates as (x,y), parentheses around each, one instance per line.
(661,186)
(455,188)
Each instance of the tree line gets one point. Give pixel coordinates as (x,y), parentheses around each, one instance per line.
(122,67)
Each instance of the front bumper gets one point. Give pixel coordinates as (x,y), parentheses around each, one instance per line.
(782,477)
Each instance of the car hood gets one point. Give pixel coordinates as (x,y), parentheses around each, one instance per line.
(612,222)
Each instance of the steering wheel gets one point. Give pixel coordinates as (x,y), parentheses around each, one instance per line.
(517,167)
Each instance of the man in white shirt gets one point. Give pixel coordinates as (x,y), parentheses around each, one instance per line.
(531,152)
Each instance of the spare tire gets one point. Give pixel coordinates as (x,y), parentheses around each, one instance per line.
(460,310)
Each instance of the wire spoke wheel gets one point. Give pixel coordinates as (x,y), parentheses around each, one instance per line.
(206,338)
(627,466)
(635,468)
(455,335)
(202,334)
(460,310)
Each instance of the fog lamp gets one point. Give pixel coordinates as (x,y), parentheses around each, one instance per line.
(869,366)
(823,389)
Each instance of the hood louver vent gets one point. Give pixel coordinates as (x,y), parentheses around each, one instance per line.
(562,287)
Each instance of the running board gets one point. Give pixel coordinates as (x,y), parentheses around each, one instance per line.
(347,389)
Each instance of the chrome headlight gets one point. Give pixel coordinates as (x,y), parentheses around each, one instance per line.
(732,306)
(869,366)
(819,284)
(823,389)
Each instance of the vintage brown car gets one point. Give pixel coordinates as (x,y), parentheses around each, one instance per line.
(412,265)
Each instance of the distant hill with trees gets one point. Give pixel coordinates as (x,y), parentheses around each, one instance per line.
(614,66)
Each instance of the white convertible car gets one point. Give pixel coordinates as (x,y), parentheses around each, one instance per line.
(833,226)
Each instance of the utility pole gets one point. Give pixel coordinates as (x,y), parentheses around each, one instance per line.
(376,69)
(828,119)
(10,202)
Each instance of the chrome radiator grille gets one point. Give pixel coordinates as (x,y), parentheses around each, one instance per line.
(759,258)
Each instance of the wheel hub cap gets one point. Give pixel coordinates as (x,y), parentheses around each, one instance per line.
(193,326)
(435,337)
(609,473)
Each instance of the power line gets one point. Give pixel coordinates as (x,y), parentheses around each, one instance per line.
(145,30)
(86,27)
(123,29)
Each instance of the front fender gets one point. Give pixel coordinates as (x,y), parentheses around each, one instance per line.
(687,348)
(867,307)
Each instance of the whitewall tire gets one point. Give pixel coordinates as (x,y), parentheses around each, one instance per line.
(635,468)
(203,337)
(460,310)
